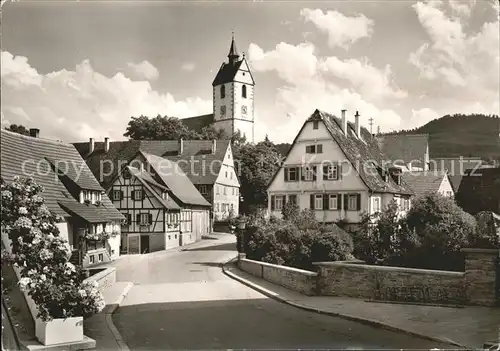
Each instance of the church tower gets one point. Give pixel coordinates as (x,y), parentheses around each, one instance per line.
(233,96)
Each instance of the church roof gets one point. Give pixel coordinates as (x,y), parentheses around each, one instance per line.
(227,72)
(197,123)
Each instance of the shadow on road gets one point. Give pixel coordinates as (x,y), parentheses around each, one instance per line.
(206,237)
(208,264)
(248,324)
(221,247)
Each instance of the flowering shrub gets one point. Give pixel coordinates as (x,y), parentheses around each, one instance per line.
(98,236)
(56,286)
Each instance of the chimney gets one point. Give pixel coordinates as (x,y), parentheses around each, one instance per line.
(378,130)
(181,146)
(358,127)
(91,145)
(106,144)
(344,122)
(214,146)
(35,133)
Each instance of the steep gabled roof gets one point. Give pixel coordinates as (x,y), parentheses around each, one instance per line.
(21,156)
(364,155)
(196,157)
(197,123)
(424,182)
(149,183)
(405,147)
(176,180)
(227,72)
(90,213)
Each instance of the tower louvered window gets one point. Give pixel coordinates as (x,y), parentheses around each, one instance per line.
(244,91)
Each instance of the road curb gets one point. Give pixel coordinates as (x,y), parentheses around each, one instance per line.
(109,320)
(365,321)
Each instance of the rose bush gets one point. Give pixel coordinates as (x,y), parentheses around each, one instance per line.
(56,286)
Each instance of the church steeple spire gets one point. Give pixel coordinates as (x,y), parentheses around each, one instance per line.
(233,52)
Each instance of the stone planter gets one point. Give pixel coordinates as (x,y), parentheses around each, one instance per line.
(59,331)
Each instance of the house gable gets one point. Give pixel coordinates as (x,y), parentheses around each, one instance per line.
(227,173)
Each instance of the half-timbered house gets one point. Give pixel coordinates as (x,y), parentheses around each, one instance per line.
(163,209)
(91,222)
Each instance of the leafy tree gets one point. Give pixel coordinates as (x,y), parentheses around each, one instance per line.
(158,128)
(18,129)
(290,211)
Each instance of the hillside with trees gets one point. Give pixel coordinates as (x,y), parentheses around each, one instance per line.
(462,135)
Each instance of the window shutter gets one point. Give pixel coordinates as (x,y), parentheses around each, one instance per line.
(143,193)
(285,170)
(311,201)
(358,202)
(346,202)
(325,202)
(314,172)
(325,172)
(301,173)
(121,195)
(150,218)
(272,202)
(319,149)
(129,218)
(339,202)
(132,194)
(339,171)
(283,199)
(138,218)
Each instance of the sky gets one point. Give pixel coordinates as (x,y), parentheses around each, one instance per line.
(81,69)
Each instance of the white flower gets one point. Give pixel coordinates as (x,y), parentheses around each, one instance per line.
(82,293)
(23,222)
(43,277)
(45,269)
(20,240)
(69,268)
(23,210)
(6,194)
(23,283)
(36,240)
(46,254)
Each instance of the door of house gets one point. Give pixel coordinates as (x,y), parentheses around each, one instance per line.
(133,244)
(144,244)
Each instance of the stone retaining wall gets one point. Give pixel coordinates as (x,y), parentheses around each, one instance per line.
(104,279)
(292,278)
(476,286)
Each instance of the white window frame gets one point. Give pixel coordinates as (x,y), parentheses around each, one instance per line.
(333,202)
(115,198)
(100,257)
(295,173)
(134,195)
(141,219)
(308,173)
(332,172)
(352,205)
(376,203)
(91,259)
(278,202)
(318,199)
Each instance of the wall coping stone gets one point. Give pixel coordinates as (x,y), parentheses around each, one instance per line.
(285,268)
(390,268)
(102,274)
(483,251)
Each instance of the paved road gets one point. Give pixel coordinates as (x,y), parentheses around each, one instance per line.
(182,300)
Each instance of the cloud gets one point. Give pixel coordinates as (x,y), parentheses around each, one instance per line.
(343,31)
(326,83)
(188,66)
(422,116)
(468,64)
(75,105)
(144,70)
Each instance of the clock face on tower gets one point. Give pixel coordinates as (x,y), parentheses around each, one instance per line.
(243,110)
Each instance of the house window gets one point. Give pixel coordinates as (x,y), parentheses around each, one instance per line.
(137,195)
(315,124)
(318,202)
(92,259)
(244,91)
(126,174)
(352,203)
(222,92)
(226,174)
(308,173)
(293,174)
(164,195)
(278,203)
(332,173)
(144,219)
(203,190)
(224,190)
(333,202)
(449,194)
(117,195)
(314,149)
(223,110)
(100,258)
(292,199)
(232,207)
(376,204)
